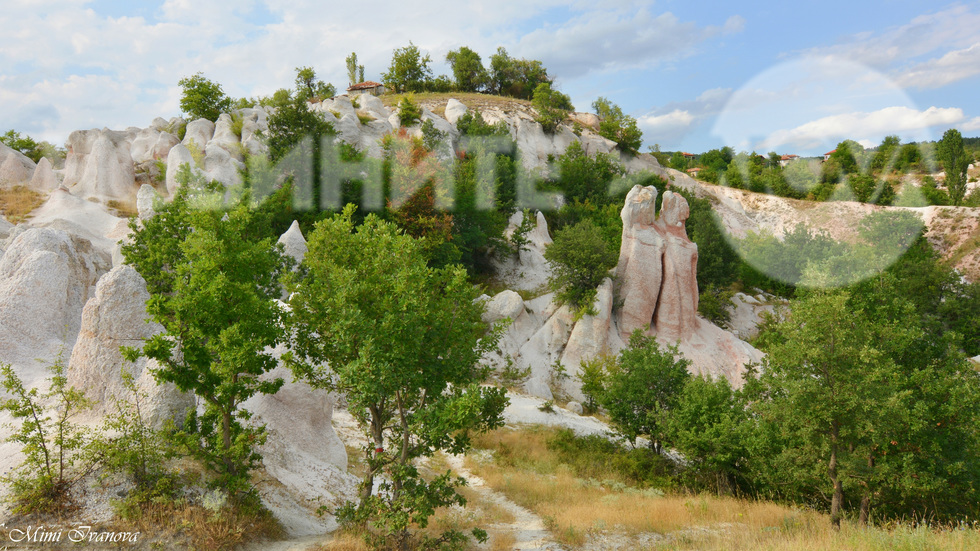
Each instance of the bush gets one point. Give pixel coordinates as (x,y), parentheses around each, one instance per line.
(713,304)
(552,106)
(616,126)
(52,445)
(409,112)
(580,259)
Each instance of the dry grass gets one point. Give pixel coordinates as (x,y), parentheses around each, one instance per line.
(577,510)
(187,526)
(343,542)
(17,202)
(123,209)
(436,101)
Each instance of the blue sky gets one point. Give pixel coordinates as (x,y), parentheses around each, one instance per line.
(790,77)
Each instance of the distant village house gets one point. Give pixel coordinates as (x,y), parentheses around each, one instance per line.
(369,86)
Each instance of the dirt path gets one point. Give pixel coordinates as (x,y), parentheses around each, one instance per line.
(527,528)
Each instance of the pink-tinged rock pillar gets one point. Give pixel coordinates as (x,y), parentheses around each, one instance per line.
(657,268)
(676,317)
(640,261)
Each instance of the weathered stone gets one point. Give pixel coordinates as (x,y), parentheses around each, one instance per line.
(178,156)
(294,243)
(527,270)
(199,132)
(15,167)
(116,316)
(677,307)
(152,145)
(144,201)
(640,267)
(454,110)
(225,137)
(575,407)
(588,339)
(44,178)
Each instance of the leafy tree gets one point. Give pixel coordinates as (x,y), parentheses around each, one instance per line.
(409,70)
(955,161)
(580,259)
(552,106)
(583,178)
(468,70)
(861,405)
(403,342)
(643,390)
(517,78)
(214,289)
(617,126)
(706,427)
(352,69)
(310,88)
(202,98)
(471,123)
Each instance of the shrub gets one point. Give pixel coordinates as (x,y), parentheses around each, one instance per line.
(617,126)
(552,106)
(432,137)
(409,112)
(580,259)
(52,443)
(713,304)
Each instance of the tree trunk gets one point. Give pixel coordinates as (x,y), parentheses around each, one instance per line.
(866,498)
(838,497)
(226,441)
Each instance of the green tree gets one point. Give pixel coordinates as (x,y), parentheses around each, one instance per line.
(552,106)
(468,70)
(409,70)
(310,88)
(409,112)
(352,69)
(860,404)
(202,98)
(583,178)
(643,389)
(517,78)
(214,289)
(403,342)
(617,126)
(580,259)
(955,161)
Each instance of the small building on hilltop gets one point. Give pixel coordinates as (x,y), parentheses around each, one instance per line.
(369,86)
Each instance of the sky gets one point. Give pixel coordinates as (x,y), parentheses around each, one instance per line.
(787,77)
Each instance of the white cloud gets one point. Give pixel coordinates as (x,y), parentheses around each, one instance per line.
(616,40)
(861,126)
(972,125)
(930,51)
(668,128)
(954,66)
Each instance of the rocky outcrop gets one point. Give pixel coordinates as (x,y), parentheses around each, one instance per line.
(454,110)
(99,165)
(293,242)
(44,178)
(198,133)
(151,144)
(114,317)
(46,276)
(179,156)
(527,270)
(15,167)
(145,198)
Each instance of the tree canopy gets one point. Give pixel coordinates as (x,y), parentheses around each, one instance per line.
(202,98)
(409,70)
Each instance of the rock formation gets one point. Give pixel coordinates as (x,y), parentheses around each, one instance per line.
(15,167)
(116,316)
(527,270)
(293,242)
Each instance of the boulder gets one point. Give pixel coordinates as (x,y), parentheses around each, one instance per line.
(371,135)
(159,124)
(373,105)
(46,276)
(677,307)
(99,165)
(44,178)
(225,136)
(116,316)
(200,132)
(341,105)
(454,110)
(543,350)
(85,219)
(294,243)
(178,156)
(640,267)
(508,305)
(221,166)
(145,198)
(588,120)
(15,167)
(152,145)
(349,128)
(575,407)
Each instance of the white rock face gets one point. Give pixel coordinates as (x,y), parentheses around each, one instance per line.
(200,132)
(178,156)
(454,110)
(529,270)
(591,336)
(116,316)
(221,166)
(144,201)
(349,128)
(99,165)
(44,178)
(225,137)
(747,312)
(15,167)
(151,144)
(46,277)
(543,349)
(294,243)
(85,219)
(374,106)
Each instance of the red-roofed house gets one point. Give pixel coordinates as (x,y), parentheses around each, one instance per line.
(369,86)
(826,156)
(786,159)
